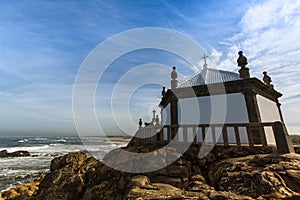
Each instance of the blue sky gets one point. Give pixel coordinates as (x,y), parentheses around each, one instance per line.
(43,43)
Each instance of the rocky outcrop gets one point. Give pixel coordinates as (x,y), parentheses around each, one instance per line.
(22,191)
(217,176)
(297,149)
(5,154)
(261,176)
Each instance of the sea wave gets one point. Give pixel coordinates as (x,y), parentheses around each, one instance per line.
(24,140)
(33,148)
(55,144)
(40,138)
(43,149)
(60,140)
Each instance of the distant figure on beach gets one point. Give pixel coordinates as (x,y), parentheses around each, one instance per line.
(242,60)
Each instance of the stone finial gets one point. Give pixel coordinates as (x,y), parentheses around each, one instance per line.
(267,79)
(174,73)
(157,120)
(174,82)
(140,123)
(242,62)
(163,92)
(153,117)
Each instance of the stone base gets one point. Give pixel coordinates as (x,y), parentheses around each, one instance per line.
(244,72)
(283,140)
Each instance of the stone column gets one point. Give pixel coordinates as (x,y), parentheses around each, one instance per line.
(174,102)
(283,141)
(252,106)
(174,112)
(255,135)
(279,110)
(174,116)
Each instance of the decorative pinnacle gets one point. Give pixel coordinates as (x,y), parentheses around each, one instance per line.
(174,75)
(242,60)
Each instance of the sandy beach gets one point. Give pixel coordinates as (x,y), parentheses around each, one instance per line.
(118,139)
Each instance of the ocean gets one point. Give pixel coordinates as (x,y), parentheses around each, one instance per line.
(18,170)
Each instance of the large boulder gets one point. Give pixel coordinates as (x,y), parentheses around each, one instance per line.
(67,178)
(5,154)
(261,176)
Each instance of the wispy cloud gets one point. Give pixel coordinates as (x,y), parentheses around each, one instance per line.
(269,36)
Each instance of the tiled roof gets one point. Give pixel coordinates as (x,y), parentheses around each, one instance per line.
(209,76)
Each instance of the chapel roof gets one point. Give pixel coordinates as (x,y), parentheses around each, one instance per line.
(209,76)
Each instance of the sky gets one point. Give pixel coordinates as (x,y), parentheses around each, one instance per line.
(44,43)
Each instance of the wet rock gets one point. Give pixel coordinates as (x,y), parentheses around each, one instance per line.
(23,191)
(5,154)
(139,181)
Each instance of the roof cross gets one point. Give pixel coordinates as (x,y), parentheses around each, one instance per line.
(204,57)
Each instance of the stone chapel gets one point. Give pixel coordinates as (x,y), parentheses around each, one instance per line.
(221,108)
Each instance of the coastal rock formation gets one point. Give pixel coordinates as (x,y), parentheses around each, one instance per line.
(22,191)
(223,174)
(5,154)
(265,176)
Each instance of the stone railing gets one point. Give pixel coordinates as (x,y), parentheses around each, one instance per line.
(238,134)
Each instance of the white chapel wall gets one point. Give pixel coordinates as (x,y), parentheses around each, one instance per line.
(269,112)
(166,115)
(198,110)
(268,109)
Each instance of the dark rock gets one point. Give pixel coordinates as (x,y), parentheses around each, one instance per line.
(5,154)
(201,162)
(66,180)
(292,179)
(168,180)
(178,171)
(258,176)
(72,161)
(297,149)
(197,177)
(139,181)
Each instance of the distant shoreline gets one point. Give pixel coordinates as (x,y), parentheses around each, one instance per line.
(119,139)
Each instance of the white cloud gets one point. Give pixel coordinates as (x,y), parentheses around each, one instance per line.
(269,37)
